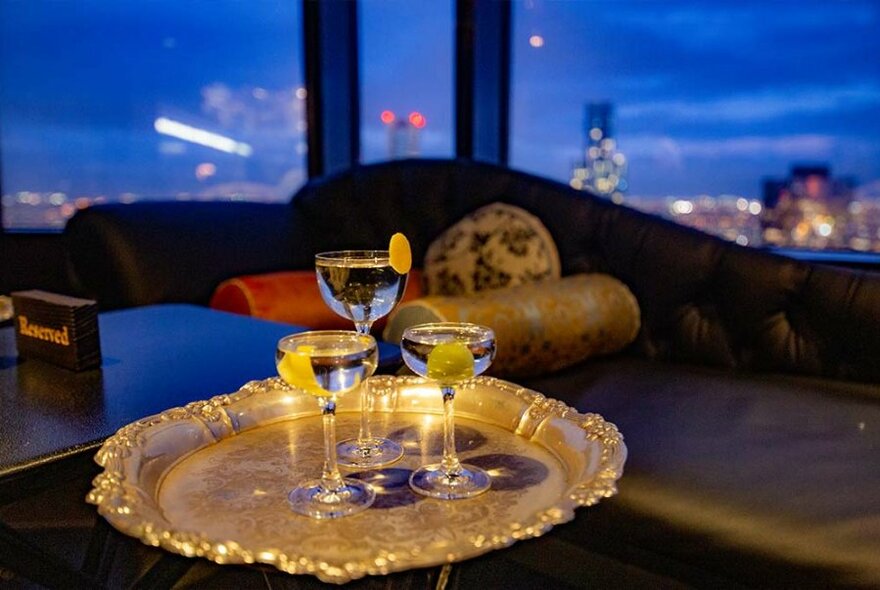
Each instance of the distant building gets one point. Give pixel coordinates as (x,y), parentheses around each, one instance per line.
(403,140)
(808,209)
(403,134)
(603,168)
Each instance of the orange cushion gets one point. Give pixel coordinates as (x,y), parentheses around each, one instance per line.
(291,297)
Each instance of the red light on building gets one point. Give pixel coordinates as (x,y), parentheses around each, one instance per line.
(815,185)
(387,117)
(417,120)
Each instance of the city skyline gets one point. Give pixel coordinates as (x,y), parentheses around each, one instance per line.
(709,99)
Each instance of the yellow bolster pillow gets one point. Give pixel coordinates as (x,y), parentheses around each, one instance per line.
(539,328)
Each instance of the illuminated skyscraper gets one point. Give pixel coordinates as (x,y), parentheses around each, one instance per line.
(603,169)
(598,116)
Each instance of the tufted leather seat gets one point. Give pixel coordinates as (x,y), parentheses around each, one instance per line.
(753,445)
(703,300)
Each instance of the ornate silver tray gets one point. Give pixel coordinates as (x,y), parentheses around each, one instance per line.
(211,479)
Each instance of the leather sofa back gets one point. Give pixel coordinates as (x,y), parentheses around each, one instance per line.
(704,300)
(164,252)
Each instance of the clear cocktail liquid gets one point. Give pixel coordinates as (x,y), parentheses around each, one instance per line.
(337,371)
(416,353)
(363,290)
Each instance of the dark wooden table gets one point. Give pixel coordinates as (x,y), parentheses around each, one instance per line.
(155,358)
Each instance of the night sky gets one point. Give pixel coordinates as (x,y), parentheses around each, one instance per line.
(709,97)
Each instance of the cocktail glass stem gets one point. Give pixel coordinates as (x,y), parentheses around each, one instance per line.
(450,462)
(364,434)
(365,451)
(331,480)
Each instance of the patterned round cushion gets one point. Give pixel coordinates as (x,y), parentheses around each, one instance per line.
(498,245)
(538,328)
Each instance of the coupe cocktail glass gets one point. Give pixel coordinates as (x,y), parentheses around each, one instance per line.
(449,353)
(361,285)
(327,364)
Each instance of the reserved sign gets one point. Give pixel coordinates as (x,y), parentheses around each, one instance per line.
(32,330)
(56,328)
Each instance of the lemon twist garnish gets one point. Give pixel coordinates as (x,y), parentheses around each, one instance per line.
(450,362)
(399,253)
(295,368)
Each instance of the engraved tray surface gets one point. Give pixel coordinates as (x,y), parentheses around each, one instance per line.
(211,479)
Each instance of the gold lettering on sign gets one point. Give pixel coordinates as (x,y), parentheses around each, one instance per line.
(26,328)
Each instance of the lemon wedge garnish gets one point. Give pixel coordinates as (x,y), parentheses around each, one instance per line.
(450,362)
(399,253)
(295,367)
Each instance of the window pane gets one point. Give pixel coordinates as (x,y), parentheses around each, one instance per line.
(406,53)
(756,120)
(131,100)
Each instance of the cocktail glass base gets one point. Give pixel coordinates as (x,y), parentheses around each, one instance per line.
(312,499)
(433,481)
(370,453)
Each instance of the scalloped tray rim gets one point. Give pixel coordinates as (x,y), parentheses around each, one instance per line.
(116,498)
